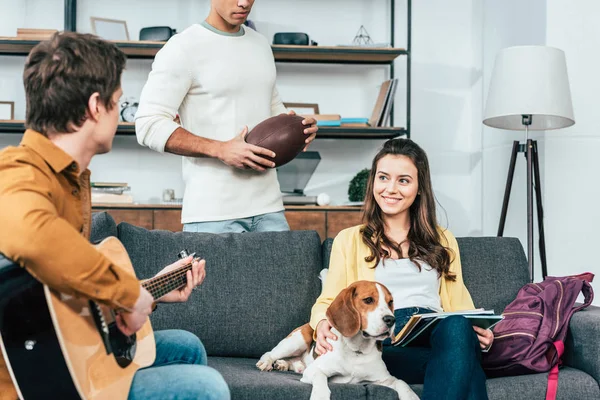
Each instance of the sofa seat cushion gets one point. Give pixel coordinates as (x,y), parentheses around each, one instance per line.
(258,286)
(247,382)
(572,384)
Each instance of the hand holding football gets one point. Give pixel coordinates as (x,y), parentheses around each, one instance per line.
(282,134)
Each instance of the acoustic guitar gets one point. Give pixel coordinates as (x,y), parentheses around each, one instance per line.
(66,347)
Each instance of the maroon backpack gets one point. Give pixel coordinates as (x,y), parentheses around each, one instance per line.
(530,338)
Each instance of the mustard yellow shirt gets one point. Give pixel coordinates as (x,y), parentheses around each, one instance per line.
(45,215)
(347,265)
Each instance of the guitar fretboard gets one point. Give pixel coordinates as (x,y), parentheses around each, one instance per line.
(165,283)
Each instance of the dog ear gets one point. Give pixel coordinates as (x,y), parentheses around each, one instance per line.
(342,314)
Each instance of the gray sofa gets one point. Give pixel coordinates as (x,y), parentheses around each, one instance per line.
(260,286)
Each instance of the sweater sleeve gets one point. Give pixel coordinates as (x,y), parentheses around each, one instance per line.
(335,282)
(456,296)
(167,85)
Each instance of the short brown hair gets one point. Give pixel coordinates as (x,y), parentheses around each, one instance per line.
(62,73)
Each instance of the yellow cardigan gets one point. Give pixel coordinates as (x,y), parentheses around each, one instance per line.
(347,265)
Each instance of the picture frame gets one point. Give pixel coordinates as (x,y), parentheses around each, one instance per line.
(303,108)
(7,110)
(110,29)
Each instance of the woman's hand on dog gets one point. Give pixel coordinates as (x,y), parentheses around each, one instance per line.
(485,336)
(324,332)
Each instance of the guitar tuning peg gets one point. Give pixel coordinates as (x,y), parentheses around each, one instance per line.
(183,254)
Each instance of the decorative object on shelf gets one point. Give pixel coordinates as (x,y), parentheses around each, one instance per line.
(110,29)
(529,90)
(323,199)
(362,37)
(358,186)
(293,38)
(303,108)
(35,34)
(128,109)
(7,110)
(168,195)
(157,33)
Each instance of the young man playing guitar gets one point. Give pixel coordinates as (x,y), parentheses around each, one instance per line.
(72,86)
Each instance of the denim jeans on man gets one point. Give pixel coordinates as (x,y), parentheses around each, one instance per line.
(450,368)
(179,371)
(270,222)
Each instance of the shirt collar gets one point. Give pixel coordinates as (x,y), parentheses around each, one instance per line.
(56,158)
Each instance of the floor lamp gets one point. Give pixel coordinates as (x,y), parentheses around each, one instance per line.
(529,91)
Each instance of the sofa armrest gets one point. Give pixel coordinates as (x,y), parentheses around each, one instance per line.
(582,345)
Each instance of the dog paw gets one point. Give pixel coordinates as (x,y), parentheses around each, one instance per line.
(265,363)
(298,366)
(282,365)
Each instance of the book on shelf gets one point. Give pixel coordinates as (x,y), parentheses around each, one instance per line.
(108,184)
(329,123)
(418,329)
(101,197)
(384,101)
(35,34)
(323,117)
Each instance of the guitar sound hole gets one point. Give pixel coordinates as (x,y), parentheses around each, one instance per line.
(123,347)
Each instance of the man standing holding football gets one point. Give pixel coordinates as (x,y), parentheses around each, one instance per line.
(219,76)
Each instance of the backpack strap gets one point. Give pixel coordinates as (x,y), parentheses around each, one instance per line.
(552,388)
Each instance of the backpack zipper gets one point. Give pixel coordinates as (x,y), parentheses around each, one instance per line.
(523,312)
(562,292)
(516,334)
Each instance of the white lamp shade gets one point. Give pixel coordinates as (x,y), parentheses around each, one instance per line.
(529,80)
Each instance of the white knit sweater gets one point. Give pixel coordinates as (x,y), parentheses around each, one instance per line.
(217,83)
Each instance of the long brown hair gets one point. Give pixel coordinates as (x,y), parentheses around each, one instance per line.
(423,236)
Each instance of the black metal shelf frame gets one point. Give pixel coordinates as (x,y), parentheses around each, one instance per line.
(71,25)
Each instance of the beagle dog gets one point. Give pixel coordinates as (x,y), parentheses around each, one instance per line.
(362,315)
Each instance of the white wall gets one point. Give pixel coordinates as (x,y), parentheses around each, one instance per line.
(453,55)
(571,189)
(446,87)
(508,23)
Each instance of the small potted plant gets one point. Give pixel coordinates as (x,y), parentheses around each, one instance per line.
(358,186)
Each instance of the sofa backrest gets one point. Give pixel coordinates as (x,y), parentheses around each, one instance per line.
(494,269)
(258,286)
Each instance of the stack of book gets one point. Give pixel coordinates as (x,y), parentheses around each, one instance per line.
(35,34)
(379,117)
(337,120)
(111,192)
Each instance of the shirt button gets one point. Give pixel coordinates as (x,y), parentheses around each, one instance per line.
(73,165)
(75,192)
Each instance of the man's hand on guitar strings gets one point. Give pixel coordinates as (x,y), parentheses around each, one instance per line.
(131,322)
(194,278)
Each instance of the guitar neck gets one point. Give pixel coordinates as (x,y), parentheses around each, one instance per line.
(165,283)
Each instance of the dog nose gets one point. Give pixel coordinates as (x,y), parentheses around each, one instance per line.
(389,320)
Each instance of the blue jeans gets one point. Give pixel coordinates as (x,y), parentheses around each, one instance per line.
(260,223)
(449,369)
(179,371)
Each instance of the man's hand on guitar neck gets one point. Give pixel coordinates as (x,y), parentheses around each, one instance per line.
(131,322)
(194,278)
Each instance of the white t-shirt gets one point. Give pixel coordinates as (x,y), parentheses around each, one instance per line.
(409,287)
(217,83)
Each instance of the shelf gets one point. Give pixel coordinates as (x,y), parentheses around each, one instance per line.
(325,132)
(299,54)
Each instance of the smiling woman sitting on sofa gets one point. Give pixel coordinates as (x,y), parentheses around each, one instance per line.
(401,246)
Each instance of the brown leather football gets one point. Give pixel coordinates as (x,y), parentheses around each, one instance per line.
(282,134)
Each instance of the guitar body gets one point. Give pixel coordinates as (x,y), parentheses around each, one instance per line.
(66,347)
